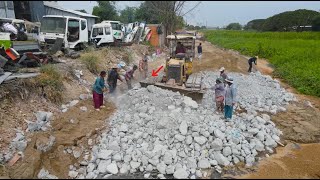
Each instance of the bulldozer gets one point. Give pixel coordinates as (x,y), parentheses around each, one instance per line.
(178,68)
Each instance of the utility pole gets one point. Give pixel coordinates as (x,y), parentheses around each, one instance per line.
(5,8)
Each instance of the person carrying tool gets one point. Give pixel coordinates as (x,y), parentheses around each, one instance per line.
(250,61)
(98,89)
(129,76)
(199,51)
(230,99)
(113,77)
(223,74)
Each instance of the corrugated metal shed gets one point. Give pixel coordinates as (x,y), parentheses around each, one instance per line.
(53,8)
(7,9)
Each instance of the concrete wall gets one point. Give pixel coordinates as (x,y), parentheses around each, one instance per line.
(7,9)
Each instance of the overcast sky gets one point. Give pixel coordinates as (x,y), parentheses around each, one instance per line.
(217,13)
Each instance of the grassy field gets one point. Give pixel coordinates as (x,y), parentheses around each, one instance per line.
(296,56)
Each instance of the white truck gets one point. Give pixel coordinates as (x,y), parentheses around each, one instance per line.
(107,32)
(73,31)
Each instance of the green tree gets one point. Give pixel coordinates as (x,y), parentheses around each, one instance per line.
(234,26)
(288,20)
(82,10)
(255,24)
(316,23)
(128,15)
(105,10)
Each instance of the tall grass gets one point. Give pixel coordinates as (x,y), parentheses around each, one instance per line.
(91,62)
(295,55)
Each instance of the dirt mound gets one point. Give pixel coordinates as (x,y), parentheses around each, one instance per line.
(67,133)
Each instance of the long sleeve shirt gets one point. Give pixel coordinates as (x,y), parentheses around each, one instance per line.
(113,77)
(230,95)
(219,89)
(99,85)
(252,60)
(199,49)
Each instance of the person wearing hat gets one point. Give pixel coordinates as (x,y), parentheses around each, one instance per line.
(223,74)
(250,61)
(129,76)
(230,98)
(113,77)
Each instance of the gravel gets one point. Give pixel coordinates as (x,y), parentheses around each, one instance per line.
(157,129)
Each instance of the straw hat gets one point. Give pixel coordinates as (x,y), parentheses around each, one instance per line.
(221,69)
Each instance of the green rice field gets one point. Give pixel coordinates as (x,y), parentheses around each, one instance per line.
(295,55)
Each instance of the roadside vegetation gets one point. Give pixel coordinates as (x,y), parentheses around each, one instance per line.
(295,55)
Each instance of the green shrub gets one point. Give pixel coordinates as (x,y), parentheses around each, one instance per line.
(91,62)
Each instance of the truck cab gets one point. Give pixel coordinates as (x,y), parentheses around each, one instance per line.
(73,31)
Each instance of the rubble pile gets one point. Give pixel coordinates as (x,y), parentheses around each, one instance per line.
(256,92)
(157,129)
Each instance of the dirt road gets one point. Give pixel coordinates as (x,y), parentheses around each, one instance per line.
(300,123)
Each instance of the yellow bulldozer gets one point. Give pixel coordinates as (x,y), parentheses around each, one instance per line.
(178,68)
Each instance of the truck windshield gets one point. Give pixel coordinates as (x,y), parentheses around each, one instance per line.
(53,25)
(116,26)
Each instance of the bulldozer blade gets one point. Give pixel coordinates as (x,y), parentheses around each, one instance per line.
(195,94)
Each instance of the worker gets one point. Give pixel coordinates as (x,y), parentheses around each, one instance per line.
(199,51)
(250,61)
(143,64)
(113,77)
(230,99)
(223,74)
(219,94)
(129,76)
(180,48)
(98,89)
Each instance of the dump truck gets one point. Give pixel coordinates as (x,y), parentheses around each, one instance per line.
(177,74)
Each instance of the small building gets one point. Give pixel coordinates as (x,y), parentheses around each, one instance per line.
(7,9)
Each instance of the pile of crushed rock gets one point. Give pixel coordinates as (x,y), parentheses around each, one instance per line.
(157,129)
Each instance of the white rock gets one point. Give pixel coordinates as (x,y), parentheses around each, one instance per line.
(146,176)
(204,163)
(183,128)
(161,168)
(83,108)
(221,159)
(217,144)
(72,174)
(73,103)
(134,165)
(179,137)
(180,174)
(105,154)
(200,140)
(219,134)
(112,168)
(189,140)
(227,151)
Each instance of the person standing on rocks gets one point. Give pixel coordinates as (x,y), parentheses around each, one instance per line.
(223,74)
(230,98)
(250,61)
(113,77)
(143,64)
(199,51)
(98,88)
(129,76)
(219,94)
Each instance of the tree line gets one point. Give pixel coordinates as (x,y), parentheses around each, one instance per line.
(168,13)
(297,20)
